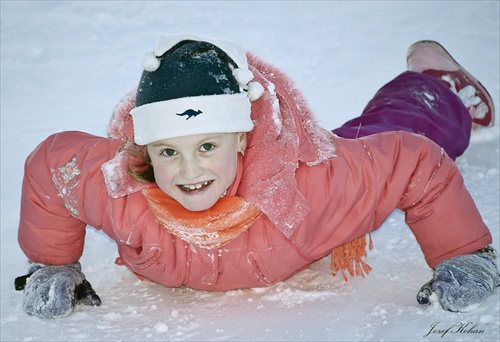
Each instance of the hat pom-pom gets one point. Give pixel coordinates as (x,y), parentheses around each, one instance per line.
(150,62)
(242,76)
(255,91)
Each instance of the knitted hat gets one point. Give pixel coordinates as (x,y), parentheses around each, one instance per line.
(193,85)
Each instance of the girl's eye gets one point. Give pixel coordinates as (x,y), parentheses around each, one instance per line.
(168,152)
(207,147)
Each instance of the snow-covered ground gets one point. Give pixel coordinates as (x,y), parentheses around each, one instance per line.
(65,64)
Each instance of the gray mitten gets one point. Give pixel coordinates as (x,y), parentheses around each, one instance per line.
(53,291)
(462,283)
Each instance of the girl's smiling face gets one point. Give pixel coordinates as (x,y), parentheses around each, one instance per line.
(196,170)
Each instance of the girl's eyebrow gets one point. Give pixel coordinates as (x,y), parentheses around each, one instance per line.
(210,137)
(158,144)
(163,144)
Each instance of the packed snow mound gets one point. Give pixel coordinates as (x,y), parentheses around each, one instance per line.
(65,65)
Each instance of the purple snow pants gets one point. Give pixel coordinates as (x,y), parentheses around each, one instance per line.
(415,103)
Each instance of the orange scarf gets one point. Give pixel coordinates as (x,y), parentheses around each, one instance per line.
(210,228)
(349,257)
(228,218)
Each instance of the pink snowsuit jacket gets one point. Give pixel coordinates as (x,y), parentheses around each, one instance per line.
(316,192)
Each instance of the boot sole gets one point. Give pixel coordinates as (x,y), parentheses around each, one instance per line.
(438,48)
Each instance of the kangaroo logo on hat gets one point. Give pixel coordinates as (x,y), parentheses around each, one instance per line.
(190,113)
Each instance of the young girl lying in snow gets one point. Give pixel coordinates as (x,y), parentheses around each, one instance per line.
(216,176)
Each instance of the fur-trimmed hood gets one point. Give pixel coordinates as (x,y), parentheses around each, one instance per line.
(285,134)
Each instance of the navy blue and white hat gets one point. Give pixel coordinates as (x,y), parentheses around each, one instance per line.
(193,85)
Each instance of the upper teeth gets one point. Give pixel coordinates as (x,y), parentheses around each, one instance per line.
(194,186)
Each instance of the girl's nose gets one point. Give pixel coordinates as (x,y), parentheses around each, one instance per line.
(191,168)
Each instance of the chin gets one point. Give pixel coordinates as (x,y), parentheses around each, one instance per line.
(199,205)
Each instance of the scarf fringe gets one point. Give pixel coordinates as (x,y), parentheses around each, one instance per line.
(349,257)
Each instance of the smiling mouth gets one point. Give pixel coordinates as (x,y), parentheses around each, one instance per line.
(195,187)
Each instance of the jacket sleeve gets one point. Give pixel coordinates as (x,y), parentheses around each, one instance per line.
(372,176)
(64,191)
(421,180)
(50,230)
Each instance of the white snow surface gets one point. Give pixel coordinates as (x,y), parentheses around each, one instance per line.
(64,66)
